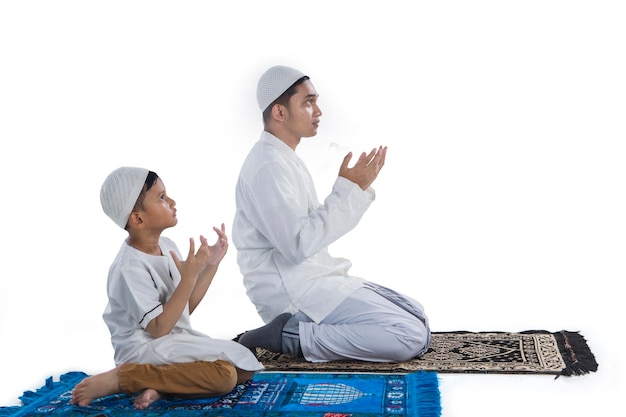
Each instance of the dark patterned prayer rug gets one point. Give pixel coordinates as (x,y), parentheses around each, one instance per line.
(292,394)
(528,352)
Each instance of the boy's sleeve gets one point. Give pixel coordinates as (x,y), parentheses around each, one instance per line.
(138,294)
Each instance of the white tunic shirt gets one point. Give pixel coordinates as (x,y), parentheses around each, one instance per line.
(282,233)
(138,286)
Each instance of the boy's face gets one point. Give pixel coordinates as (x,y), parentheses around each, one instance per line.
(158,210)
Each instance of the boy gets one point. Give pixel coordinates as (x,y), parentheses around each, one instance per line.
(151,294)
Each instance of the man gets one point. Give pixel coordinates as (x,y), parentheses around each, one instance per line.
(312,306)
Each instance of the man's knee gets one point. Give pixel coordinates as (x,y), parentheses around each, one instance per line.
(402,349)
(410,345)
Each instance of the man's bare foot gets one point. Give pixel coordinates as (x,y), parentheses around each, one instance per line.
(97,386)
(147,397)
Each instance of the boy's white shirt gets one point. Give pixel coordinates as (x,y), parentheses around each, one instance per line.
(138,285)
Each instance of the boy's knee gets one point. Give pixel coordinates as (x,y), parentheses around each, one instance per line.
(224,378)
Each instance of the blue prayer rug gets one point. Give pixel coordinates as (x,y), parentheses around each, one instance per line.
(276,394)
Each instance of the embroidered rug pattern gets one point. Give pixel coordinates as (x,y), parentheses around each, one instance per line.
(269,393)
(528,352)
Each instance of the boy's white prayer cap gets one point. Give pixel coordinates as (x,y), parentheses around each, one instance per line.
(120,191)
(274,82)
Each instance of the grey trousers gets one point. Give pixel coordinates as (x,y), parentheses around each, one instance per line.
(373,324)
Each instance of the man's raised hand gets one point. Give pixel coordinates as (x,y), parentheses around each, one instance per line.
(366,169)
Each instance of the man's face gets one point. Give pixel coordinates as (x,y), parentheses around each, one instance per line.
(303,116)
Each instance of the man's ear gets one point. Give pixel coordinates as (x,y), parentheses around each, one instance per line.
(278,112)
(135,220)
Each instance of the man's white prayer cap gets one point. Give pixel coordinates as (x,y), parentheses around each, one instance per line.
(120,191)
(274,82)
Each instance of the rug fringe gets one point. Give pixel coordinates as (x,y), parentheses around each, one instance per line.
(427,401)
(33,399)
(579,359)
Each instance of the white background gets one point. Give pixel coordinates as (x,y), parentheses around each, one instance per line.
(502,205)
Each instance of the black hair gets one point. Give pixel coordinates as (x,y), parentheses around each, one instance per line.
(150,181)
(283,99)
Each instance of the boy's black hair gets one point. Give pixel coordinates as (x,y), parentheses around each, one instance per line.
(283,99)
(150,181)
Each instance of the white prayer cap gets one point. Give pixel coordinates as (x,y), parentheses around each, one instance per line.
(274,82)
(120,191)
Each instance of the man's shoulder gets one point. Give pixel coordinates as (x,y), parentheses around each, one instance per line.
(262,154)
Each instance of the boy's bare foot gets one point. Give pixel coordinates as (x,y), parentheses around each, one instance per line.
(147,397)
(97,386)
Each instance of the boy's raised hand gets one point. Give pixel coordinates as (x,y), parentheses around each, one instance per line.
(219,249)
(191,267)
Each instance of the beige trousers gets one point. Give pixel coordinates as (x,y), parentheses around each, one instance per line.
(189,379)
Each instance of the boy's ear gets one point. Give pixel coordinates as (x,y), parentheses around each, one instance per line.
(135,221)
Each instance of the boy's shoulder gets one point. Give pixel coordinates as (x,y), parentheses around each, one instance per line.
(166,242)
(129,258)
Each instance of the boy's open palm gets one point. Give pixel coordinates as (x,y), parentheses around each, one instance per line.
(191,267)
(219,249)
